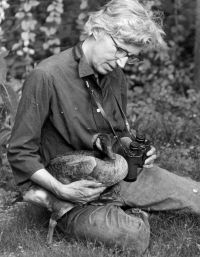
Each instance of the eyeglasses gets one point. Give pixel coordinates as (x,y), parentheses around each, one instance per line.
(120,53)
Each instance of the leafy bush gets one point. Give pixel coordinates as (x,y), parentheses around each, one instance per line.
(162,101)
(9,99)
(158,107)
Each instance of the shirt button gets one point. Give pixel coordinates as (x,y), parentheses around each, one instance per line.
(76,108)
(98,110)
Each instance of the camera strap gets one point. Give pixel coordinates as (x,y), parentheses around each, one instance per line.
(127,125)
(96,100)
(91,91)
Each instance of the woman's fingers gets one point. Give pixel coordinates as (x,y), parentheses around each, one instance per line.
(89,183)
(152,151)
(150,161)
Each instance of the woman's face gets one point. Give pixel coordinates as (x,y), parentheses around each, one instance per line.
(105,55)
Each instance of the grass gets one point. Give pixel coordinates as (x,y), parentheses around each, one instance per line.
(23,228)
(174,235)
(25,235)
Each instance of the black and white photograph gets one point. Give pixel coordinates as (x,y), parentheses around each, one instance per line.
(99,128)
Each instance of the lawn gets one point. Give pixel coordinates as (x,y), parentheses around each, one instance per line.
(23,227)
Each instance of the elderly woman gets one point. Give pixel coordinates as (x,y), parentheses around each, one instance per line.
(57,114)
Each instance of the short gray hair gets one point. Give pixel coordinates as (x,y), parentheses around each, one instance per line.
(129,21)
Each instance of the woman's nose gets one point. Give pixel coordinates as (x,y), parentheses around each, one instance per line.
(121,62)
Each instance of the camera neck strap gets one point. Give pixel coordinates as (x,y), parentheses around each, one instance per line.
(127,125)
(96,100)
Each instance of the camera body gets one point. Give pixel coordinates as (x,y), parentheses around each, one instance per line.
(136,156)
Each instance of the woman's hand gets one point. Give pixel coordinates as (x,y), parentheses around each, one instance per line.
(81,191)
(150,160)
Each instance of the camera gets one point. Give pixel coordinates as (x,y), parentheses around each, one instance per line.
(136,155)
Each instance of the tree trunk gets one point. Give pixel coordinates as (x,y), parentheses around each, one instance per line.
(197,48)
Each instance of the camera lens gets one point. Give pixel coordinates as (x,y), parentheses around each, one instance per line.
(134,145)
(140,138)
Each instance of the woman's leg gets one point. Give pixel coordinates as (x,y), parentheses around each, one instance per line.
(108,224)
(159,189)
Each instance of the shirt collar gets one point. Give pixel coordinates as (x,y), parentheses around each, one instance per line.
(84,68)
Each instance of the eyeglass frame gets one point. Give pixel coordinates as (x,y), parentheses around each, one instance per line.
(127,54)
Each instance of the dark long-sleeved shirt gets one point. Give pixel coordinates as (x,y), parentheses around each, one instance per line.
(56,113)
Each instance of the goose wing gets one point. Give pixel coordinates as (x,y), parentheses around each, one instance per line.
(72,167)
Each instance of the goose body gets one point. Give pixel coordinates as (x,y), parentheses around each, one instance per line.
(85,165)
(72,167)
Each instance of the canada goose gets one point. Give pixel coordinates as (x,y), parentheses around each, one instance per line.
(101,165)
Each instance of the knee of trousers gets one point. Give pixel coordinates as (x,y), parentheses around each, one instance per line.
(110,225)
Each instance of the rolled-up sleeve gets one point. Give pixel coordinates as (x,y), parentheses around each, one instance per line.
(23,149)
